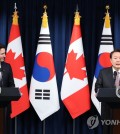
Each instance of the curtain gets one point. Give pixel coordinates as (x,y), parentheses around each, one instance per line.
(60,16)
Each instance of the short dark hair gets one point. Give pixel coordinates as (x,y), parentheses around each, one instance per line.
(115,50)
(2,46)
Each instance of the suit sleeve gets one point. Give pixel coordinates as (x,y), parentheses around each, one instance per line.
(11,80)
(99,82)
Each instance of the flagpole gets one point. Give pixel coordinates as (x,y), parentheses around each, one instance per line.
(73,126)
(15,7)
(44,127)
(15,125)
(74,119)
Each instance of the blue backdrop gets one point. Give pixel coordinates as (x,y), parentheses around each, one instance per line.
(60,15)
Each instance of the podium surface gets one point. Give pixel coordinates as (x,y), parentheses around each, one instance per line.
(9,94)
(107,95)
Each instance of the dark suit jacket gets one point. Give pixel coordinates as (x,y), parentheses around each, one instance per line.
(105,79)
(6,81)
(7,75)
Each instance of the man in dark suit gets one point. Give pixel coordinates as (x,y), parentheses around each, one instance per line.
(6,71)
(106,76)
(106,79)
(6,80)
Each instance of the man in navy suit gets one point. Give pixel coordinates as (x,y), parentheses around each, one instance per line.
(106,79)
(6,80)
(6,70)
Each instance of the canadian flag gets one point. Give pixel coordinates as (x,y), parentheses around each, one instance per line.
(14,57)
(75,90)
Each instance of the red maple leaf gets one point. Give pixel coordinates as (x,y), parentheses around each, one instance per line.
(16,64)
(74,67)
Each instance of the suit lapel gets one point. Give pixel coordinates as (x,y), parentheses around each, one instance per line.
(110,76)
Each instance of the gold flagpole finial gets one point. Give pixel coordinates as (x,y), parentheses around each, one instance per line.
(45,18)
(107,17)
(77,18)
(15,15)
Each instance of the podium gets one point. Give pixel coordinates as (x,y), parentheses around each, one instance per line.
(9,94)
(6,96)
(107,95)
(110,98)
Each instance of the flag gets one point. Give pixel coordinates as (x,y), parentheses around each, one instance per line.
(106,46)
(75,89)
(14,57)
(43,87)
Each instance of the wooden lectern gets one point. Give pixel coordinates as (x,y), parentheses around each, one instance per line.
(6,96)
(111,97)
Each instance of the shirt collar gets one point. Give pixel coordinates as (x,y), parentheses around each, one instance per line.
(115,70)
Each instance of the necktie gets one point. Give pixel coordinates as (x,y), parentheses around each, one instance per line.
(117,81)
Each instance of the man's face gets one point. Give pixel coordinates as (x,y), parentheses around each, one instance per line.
(115,60)
(2,54)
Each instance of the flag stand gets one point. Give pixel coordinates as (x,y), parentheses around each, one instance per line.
(15,125)
(74,126)
(44,127)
